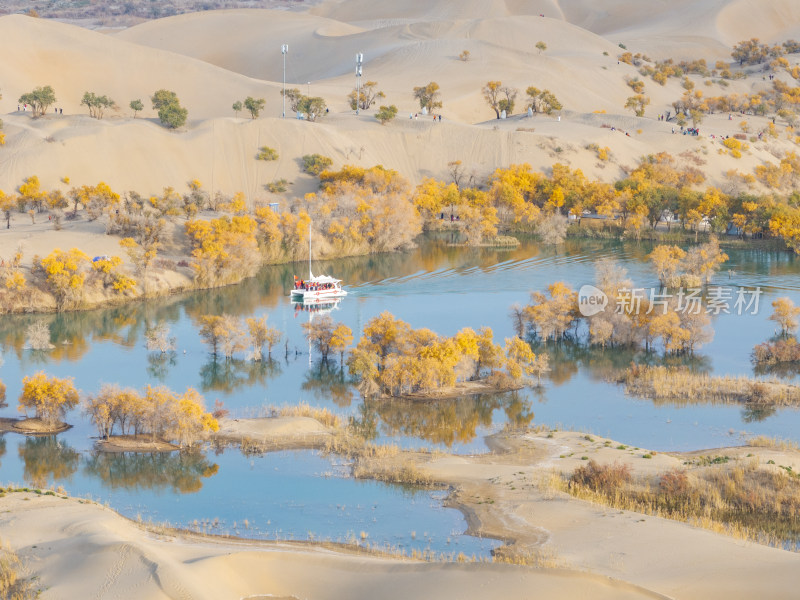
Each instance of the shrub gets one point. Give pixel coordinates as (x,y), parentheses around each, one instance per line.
(169,108)
(173,116)
(267,153)
(315,164)
(254,106)
(278,186)
(780,351)
(735,147)
(386,114)
(97,105)
(601,477)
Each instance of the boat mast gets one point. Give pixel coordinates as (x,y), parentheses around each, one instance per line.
(310,274)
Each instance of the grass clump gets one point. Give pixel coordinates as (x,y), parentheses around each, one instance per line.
(595,476)
(323,415)
(543,557)
(763,441)
(13,583)
(705,461)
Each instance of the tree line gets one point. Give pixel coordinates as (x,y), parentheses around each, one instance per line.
(631,319)
(157,411)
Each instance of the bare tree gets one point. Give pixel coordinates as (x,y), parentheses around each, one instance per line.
(158,339)
(37,336)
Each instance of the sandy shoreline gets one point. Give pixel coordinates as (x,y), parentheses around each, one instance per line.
(89,551)
(575,547)
(32,427)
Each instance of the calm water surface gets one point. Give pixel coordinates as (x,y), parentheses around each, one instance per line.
(435,286)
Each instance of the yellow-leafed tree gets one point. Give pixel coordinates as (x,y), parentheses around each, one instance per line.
(49,397)
(65,274)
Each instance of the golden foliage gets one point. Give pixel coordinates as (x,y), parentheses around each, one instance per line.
(107,270)
(396,360)
(49,397)
(65,273)
(159,412)
(224,250)
(784,313)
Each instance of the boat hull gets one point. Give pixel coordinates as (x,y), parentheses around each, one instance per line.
(309,296)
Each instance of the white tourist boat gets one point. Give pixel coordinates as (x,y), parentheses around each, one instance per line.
(317,289)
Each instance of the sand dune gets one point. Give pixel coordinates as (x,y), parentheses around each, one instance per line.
(400,57)
(74,60)
(89,552)
(141,155)
(317,46)
(769,20)
(209,69)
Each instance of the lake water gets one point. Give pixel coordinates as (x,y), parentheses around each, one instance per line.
(437,286)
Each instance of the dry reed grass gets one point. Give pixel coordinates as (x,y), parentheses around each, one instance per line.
(743,501)
(543,557)
(323,415)
(680,384)
(384,462)
(763,441)
(14,582)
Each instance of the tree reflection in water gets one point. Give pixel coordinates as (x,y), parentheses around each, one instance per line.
(568,358)
(71,333)
(785,370)
(329,381)
(446,422)
(229,375)
(755,413)
(181,472)
(47,460)
(159,363)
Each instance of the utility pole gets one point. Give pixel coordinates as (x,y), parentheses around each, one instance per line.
(359,62)
(284,51)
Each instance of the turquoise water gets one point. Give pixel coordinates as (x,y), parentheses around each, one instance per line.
(436,286)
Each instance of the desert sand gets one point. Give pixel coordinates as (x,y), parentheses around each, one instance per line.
(81,549)
(404,46)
